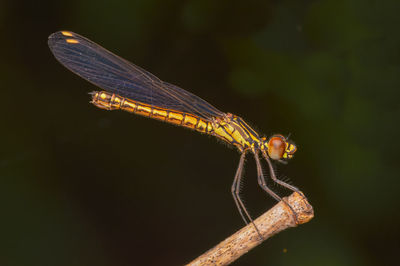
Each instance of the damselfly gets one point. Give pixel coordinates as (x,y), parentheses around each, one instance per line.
(130,88)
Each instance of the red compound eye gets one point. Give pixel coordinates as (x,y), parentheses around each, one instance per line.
(276,147)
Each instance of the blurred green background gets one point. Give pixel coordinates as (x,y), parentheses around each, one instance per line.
(84,186)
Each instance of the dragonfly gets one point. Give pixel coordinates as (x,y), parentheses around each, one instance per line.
(133,89)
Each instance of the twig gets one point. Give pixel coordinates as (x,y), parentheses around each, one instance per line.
(278,218)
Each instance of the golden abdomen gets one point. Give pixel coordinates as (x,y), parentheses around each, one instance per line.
(110,101)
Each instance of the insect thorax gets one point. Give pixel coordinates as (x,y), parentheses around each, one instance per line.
(235,131)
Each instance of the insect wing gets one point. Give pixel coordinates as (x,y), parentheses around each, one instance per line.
(117,75)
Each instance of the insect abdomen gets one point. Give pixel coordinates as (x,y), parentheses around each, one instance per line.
(111,101)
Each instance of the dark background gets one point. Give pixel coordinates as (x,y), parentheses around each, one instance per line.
(84,186)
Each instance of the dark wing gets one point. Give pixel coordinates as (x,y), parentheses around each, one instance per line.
(115,74)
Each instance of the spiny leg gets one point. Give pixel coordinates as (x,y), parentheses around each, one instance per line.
(235,189)
(261,179)
(275,179)
(263,183)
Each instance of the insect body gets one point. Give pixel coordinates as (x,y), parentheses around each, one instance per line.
(130,88)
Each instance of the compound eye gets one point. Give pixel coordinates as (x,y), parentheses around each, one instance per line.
(276,147)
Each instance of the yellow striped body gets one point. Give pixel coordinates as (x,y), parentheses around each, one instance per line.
(229,128)
(235,131)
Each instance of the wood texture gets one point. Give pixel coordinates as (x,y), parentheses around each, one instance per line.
(278,218)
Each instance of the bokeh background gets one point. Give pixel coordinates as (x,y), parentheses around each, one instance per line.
(84,186)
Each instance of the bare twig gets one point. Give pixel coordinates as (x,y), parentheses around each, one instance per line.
(278,218)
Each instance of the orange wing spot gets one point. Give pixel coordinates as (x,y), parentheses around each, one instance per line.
(72,41)
(67,33)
